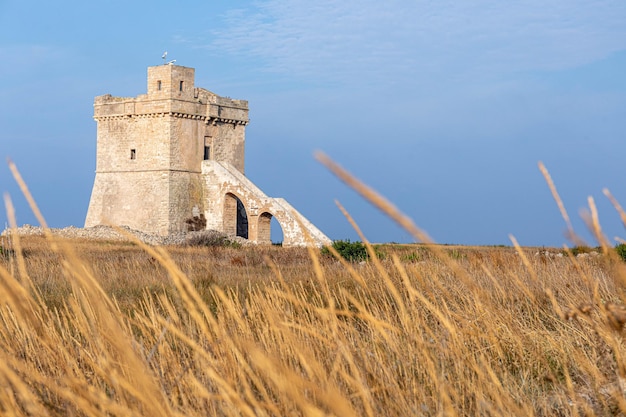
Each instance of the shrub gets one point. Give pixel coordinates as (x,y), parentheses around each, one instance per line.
(351,251)
(621,251)
(196,223)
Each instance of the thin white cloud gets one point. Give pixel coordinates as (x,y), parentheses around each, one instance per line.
(397,39)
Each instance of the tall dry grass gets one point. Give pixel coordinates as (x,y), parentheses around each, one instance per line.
(109,329)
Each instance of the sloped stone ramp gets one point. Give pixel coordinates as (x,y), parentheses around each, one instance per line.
(225,181)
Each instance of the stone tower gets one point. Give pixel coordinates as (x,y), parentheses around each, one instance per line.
(177,153)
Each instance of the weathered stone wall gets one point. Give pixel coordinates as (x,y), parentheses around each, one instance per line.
(134,199)
(230,148)
(148,136)
(186,199)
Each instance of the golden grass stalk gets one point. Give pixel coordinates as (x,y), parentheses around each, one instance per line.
(616,204)
(557,198)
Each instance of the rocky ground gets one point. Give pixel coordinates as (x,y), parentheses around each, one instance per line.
(122,233)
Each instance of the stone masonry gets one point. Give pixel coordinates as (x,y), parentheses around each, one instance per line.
(177,154)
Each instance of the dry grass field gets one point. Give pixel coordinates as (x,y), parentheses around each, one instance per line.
(104,328)
(120,329)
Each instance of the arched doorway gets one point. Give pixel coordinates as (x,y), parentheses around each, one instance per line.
(269,229)
(235,217)
(263,229)
(276,232)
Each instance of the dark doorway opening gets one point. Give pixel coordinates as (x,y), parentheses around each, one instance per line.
(242,220)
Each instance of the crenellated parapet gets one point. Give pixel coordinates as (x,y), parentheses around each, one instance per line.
(204,106)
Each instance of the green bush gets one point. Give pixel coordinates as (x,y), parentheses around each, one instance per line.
(352,251)
(621,251)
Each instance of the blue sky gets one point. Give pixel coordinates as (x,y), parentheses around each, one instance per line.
(444,107)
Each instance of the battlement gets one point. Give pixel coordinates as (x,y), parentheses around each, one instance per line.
(171,91)
(108,98)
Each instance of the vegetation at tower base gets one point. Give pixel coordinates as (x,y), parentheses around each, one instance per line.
(211,238)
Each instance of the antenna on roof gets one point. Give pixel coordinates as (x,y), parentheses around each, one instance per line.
(164,57)
(171,62)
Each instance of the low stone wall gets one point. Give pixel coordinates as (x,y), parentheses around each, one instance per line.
(110,233)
